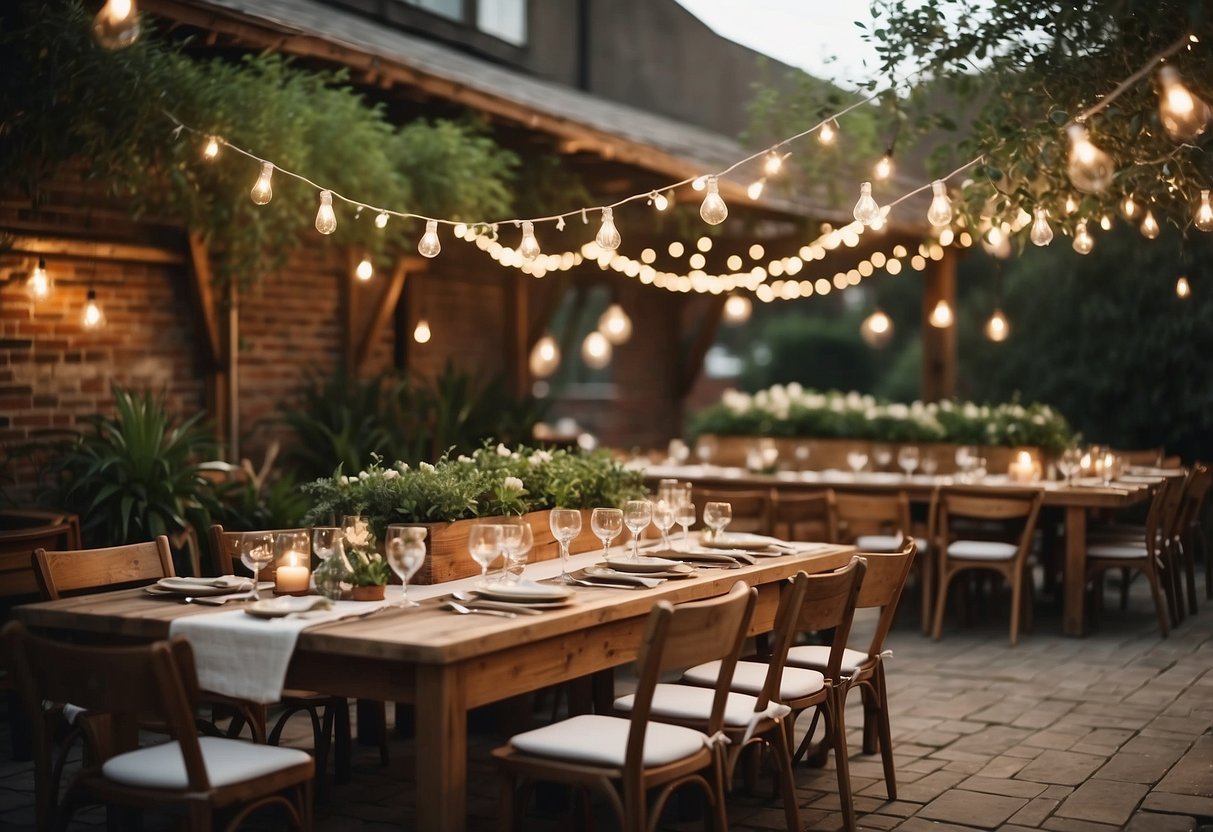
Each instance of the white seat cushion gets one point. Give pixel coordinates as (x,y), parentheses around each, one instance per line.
(603,741)
(885,543)
(227,762)
(1117,550)
(982,550)
(818,656)
(690,703)
(749,677)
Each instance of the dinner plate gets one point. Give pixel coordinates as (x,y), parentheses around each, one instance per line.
(611,570)
(640,565)
(730,559)
(526,592)
(284,605)
(1139,479)
(742,540)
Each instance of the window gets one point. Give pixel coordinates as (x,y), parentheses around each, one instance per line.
(505,19)
(452,9)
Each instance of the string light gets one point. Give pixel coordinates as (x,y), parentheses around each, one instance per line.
(365,270)
(1204,213)
(39,284)
(615,324)
(755,189)
(1071,204)
(1105,222)
(116,26)
(997,327)
(828,132)
(1089,168)
(941,315)
(866,210)
(1149,226)
(713,210)
(1128,207)
(940,212)
(884,168)
(1083,242)
(529,247)
(608,237)
(737,309)
(429,245)
(596,350)
(545,357)
(876,329)
(699,183)
(772,164)
(1041,233)
(381,219)
(660,201)
(1184,115)
(1183,290)
(93,317)
(421,332)
(326,218)
(210,150)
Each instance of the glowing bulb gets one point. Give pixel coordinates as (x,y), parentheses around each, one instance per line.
(1105,222)
(737,309)
(1041,233)
(1128,207)
(529,247)
(713,210)
(211,149)
(545,357)
(1083,242)
(116,26)
(660,202)
(608,238)
(772,164)
(1182,288)
(365,270)
(596,350)
(699,183)
(421,332)
(1089,168)
(940,212)
(262,192)
(941,315)
(93,317)
(884,168)
(997,327)
(615,324)
(876,329)
(39,284)
(996,242)
(1071,204)
(755,189)
(381,219)
(866,210)
(828,132)
(1184,115)
(1149,226)
(1204,214)
(326,219)
(429,244)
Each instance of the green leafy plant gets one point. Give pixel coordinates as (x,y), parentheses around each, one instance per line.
(264,498)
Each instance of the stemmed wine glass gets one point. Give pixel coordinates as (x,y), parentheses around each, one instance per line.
(929,464)
(256,552)
(858,460)
(663,519)
(516,542)
(565,524)
(1068,463)
(716,516)
(685,515)
(637,514)
(607,524)
(907,458)
(882,455)
(405,547)
(484,542)
(328,543)
(705,449)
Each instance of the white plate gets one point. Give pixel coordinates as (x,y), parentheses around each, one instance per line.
(525,592)
(641,565)
(742,540)
(285,605)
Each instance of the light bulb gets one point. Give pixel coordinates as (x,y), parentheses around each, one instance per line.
(884,168)
(828,132)
(421,332)
(866,210)
(116,26)
(1083,242)
(381,219)
(660,201)
(1204,214)
(262,192)
(608,238)
(93,317)
(997,327)
(737,309)
(429,245)
(365,270)
(40,284)
(755,189)
(940,212)
(1041,233)
(1184,115)
(545,357)
(1183,289)
(529,247)
(596,350)
(1105,222)
(996,242)
(713,210)
(1089,168)
(941,315)
(772,164)
(210,150)
(1149,226)
(326,219)
(1128,207)
(1071,204)
(615,324)
(876,329)
(699,183)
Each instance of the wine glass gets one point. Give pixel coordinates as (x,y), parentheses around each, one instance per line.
(484,543)
(685,515)
(256,552)
(802,452)
(516,542)
(929,464)
(637,514)
(1068,463)
(405,547)
(705,449)
(327,541)
(882,455)
(857,460)
(663,518)
(565,524)
(607,524)
(716,516)
(907,459)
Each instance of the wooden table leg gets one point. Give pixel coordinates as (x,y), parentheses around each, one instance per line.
(1075,570)
(441,749)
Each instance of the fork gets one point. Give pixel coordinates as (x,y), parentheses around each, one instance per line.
(462,610)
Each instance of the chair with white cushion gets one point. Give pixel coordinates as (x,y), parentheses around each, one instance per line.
(627,757)
(203,775)
(997,531)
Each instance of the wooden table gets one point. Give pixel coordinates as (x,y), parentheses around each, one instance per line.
(447,664)
(1074,501)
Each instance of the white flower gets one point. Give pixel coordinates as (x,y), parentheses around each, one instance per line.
(425,466)
(970,410)
(512,484)
(736,402)
(540,457)
(1038,419)
(401,466)
(391,474)
(362,475)
(345,480)
(502,450)
(899,411)
(464,458)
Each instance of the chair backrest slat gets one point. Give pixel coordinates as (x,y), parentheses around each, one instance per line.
(882,586)
(751,508)
(1197,491)
(862,513)
(17,549)
(84,570)
(829,604)
(804,516)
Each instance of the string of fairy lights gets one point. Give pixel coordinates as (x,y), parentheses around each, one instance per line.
(1183,114)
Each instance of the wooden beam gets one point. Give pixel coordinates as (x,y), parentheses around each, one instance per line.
(705,335)
(386,305)
(517,335)
(939,344)
(220,398)
(203,290)
(94,250)
(349,314)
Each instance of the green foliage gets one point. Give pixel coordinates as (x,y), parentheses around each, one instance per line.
(65,99)
(265,499)
(821,352)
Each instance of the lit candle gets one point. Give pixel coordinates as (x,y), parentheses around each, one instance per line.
(1023,469)
(291,577)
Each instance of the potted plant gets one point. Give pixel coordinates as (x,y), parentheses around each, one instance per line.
(368,571)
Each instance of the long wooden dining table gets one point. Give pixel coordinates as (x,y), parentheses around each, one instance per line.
(1076,501)
(444,663)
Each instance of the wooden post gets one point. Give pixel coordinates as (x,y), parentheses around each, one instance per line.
(939,344)
(517,332)
(219,402)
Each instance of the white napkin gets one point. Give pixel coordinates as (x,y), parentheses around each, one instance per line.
(232,582)
(245,657)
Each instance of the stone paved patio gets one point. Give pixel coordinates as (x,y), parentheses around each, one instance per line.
(1107,732)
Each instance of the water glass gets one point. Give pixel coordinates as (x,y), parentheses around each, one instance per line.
(637,514)
(663,518)
(857,460)
(907,458)
(705,449)
(516,542)
(607,524)
(716,516)
(882,455)
(929,464)
(405,547)
(484,543)
(256,552)
(1069,463)
(802,453)
(685,515)
(327,541)
(565,524)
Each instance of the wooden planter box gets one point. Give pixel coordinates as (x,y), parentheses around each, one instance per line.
(447,557)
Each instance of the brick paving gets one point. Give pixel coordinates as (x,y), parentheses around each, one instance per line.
(1112,731)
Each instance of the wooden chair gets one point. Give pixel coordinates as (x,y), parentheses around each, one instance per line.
(157,682)
(1005,552)
(81,571)
(751,508)
(1192,532)
(626,758)
(1141,456)
(883,582)
(804,516)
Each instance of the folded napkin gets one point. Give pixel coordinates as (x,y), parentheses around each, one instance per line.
(245,657)
(726,557)
(234,583)
(613,577)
